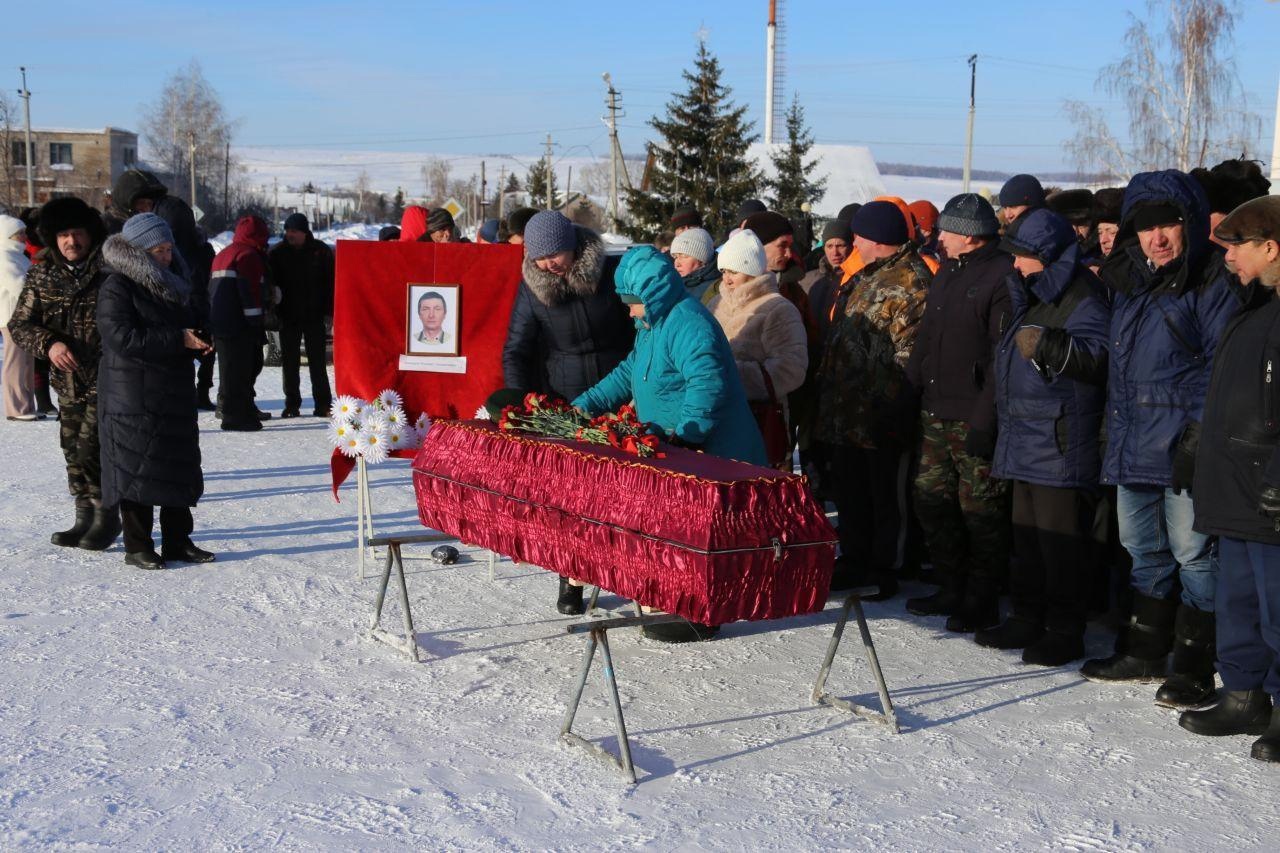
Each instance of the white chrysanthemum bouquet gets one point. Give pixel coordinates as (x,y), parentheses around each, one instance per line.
(374,428)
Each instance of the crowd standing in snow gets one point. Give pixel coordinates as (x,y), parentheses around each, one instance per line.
(1072,399)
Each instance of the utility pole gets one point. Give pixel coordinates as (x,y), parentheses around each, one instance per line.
(968,146)
(31,165)
(547,171)
(226,182)
(483,189)
(191,148)
(615,152)
(502,191)
(275,188)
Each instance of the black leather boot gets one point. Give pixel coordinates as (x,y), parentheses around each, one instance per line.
(1142,646)
(569,602)
(185,552)
(103,531)
(203,403)
(1267,747)
(1238,712)
(944,602)
(1190,683)
(1017,632)
(1062,643)
(70,538)
(979,609)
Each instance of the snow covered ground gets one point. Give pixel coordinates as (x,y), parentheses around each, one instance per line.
(235,705)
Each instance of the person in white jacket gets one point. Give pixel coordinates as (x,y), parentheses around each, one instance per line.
(18,372)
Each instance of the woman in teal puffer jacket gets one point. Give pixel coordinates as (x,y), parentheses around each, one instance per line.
(680,372)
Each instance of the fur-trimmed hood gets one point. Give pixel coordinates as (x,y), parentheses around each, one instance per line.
(169,285)
(583,277)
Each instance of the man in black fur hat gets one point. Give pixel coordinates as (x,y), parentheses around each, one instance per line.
(1228,185)
(56,318)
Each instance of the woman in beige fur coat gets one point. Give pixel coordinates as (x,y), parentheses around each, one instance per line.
(764,329)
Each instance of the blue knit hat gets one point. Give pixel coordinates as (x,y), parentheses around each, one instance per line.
(146,231)
(547,233)
(880,222)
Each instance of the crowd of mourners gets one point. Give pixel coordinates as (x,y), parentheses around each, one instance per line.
(1066,398)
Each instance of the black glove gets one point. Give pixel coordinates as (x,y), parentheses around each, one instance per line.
(980,444)
(675,441)
(1184,459)
(1269,502)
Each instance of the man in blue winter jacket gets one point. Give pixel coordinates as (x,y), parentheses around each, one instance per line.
(1172,300)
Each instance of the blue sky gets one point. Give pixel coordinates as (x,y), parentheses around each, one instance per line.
(480,77)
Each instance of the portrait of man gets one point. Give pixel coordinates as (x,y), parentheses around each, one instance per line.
(433,319)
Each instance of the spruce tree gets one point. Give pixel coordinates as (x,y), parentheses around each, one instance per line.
(397,205)
(793,183)
(536,185)
(701,158)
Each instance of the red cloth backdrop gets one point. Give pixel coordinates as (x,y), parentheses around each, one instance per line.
(709,538)
(369,319)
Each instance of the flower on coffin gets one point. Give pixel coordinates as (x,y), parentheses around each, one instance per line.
(388,399)
(401,438)
(482,414)
(396,417)
(543,415)
(374,422)
(422,425)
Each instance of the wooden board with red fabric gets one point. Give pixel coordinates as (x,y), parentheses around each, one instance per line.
(708,538)
(369,322)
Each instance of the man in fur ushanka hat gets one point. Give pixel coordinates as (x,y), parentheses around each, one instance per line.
(56,318)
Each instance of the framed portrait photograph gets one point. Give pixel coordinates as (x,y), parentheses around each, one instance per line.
(432,327)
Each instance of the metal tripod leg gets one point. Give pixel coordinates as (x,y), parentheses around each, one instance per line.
(408,643)
(598,637)
(886,715)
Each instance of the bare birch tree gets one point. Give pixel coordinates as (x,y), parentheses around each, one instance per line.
(12,181)
(1185,103)
(189,111)
(435,174)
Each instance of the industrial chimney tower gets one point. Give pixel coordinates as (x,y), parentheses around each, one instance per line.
(775,67)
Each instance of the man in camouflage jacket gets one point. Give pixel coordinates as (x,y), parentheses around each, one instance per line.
(864,436)
(56,318)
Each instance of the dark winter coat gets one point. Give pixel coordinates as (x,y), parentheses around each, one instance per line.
(237,286)
(697,282)
(966,312)
(1165,326)
(1050,406)
(1239,450)
(821,285)
(58,303)
(305,278)
(146,383)
(566,334)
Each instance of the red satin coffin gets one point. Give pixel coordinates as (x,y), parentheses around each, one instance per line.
(708,538)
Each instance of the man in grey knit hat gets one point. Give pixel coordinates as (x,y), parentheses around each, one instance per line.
(963,510)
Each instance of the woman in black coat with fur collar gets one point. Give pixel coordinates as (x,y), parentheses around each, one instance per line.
(146,392)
